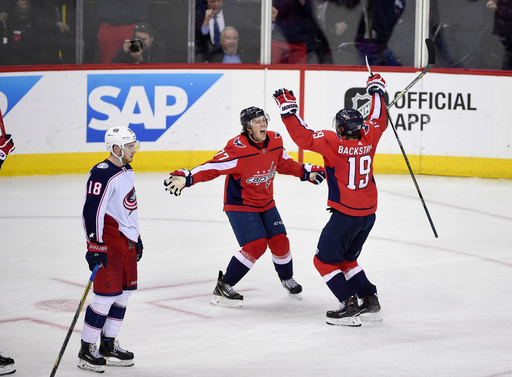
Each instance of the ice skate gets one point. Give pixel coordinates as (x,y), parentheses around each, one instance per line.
(6,365)
(346,315)
(114,355)
(294,289)
(90,358)
(370,309)
(225,295)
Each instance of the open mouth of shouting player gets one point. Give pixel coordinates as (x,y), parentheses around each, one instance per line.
(258,129)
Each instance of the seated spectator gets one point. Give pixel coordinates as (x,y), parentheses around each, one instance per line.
(228,53)
(26,35)
(503,28)
(143,48)
(211,20)
(118,18)
(290,31)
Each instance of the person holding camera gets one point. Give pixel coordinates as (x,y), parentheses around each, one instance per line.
(142,48)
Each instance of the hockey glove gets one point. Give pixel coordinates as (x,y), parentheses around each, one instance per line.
(375,84)
(138,249)
(96,253)
(313,173)
(6,147)
(178,180)
(286,102)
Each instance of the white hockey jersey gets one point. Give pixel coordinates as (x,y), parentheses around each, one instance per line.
(110,191)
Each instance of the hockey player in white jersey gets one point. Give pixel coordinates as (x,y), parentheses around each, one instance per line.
(113,239)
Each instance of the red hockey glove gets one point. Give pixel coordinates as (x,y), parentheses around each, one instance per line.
(313,173)
(178,180)
(6,147)
(286,102)
(375,84)
(138,249)
(96,253)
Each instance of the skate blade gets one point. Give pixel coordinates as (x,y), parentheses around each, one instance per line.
(371,317)
(114,362)
(347,321)
(82,364)
(297,296)
(223,301)
(7,369)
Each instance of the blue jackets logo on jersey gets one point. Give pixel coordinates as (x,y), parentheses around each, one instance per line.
(147,103)
(130,200)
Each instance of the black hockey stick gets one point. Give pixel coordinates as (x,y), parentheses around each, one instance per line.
(431,50)
(75,318)
(431,60)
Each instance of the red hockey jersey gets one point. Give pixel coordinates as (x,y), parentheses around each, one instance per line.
(250,170)
(348,163)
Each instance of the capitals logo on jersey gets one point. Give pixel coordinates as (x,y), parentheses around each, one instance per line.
(130,201)
(238,143)
(265,177)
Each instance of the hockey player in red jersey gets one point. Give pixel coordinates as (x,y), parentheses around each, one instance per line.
(113,239)
(250,162)
(348,154)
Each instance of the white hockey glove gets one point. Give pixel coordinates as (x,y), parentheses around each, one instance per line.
(178,180)
(286,101)
(375,84)
(313,173)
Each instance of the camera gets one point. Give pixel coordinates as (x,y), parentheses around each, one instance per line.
(136,45)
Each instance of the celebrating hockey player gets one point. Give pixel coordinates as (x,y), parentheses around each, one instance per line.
(250,162)
(348,154)
(113,239)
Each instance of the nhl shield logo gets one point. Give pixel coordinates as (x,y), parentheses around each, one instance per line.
(357,98)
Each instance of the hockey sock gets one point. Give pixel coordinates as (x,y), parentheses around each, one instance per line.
(361,283)
(236,270)
(281,256)
(116,315)
(284,267)
(339,286)
(94,322)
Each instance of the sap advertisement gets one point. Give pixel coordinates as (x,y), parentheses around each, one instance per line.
(198,110)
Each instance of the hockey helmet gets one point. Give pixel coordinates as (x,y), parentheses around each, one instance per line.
(348,122)
(246,115)
(119,136)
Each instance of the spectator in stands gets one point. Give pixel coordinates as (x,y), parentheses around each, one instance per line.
(118,18)
(290,32)
(25,40)
(503,27)
(229,52)
(211,20)
(143,48)
(376,26)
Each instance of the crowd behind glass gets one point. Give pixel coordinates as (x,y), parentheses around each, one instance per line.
(475,34)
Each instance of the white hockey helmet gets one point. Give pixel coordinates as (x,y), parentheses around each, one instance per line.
(119,136)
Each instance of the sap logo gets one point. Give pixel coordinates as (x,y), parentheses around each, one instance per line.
(13,89)
(147,103)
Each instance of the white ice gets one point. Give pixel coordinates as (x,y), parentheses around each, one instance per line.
(447,302)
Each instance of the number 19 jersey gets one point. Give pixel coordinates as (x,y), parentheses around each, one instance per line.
(348,163)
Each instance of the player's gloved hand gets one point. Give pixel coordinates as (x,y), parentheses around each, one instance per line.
(96,253)
(375,84)
(138,249)
(286,101)
(6,147)
(177,181)
(313,173)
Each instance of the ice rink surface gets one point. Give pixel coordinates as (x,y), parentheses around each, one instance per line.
(446,302)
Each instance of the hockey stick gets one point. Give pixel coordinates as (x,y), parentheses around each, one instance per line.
(431,59)
(431,49)
(75,318)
